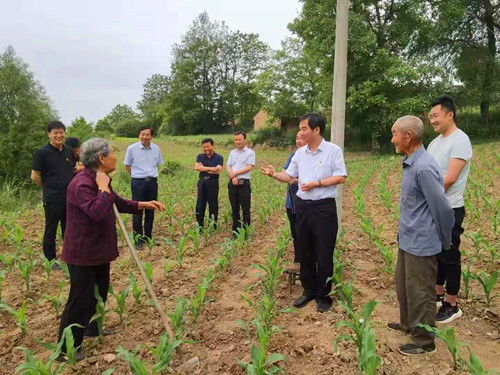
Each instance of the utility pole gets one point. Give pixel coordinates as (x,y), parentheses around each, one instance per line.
(339,86)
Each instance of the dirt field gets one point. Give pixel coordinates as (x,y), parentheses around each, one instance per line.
(217,339)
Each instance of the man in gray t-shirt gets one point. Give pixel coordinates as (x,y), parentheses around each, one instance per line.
(453,151)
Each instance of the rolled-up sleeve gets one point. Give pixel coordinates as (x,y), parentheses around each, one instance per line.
(438,204)
(129,158)
(293,169)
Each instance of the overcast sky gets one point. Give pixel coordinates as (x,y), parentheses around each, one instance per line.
(91,55)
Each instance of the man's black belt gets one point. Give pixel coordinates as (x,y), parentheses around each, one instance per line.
(145,178)
(204,178)
(310,202)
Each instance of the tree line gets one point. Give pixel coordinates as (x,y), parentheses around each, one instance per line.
(402,53)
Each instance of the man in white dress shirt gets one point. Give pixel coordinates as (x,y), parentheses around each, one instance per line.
(239,166)
(319,167)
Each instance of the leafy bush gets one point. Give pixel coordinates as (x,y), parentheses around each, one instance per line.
(272,136)
(128,128)
(171,167)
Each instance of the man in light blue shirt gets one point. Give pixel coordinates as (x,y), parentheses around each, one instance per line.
(240,163)
(319,167)
(425,223)
(141,162)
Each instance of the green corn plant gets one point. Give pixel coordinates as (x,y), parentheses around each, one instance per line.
(25,270)
(3,273)
(100,312)
(8,260)
(467,277)
(47,267)
(164,352)
(177,317)
(476,367)
(19,315)
(195,234)
(493,254)
(56,302)
(181,248)
(34,366)
(199,299)
(121,299)
(478,241)
(167,267)
(136,289)
(488,282)
(137,366)
(368,360)
(68,341)
(262,363)
(447,334)
(148,269)
(150,243)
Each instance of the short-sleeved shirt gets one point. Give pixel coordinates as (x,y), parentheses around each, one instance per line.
(212,161)
(143,161)
(292,189)
(455,146)
(56,168)
(309,166)
(239,159)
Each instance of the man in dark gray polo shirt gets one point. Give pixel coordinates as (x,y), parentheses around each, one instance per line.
(425,223)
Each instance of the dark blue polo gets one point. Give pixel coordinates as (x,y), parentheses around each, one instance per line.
(212,161)
(57,168)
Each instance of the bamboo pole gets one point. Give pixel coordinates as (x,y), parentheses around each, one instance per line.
(149,287)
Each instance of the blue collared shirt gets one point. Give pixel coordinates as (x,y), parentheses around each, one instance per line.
(143,161)
(308,166)
(292,189)
(239,159)
(425,215)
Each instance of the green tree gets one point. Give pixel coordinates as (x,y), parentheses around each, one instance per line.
(80,129)
(384,81)
(463,37)
(212,86)
(118,113)
(25,111)
(154,94)
(128,127)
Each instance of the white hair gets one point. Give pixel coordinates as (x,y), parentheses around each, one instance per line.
(91,150)
(411,124)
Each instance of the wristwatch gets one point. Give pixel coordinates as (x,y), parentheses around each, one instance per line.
(319,183)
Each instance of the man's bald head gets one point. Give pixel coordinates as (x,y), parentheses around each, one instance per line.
(413,125)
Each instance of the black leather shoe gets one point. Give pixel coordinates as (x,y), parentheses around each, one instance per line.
(138,245)
(302,300)
(323,304)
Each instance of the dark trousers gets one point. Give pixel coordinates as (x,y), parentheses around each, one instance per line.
(449,261)
(292,219)
(55,213)
(81,300)
(144,190)
(208,192)
(415,278)
(317,226)
(239,196)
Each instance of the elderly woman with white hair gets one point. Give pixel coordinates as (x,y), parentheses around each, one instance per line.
(90,242)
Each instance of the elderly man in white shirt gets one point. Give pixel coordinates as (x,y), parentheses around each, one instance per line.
(239,166)
(141,162)
(319,167)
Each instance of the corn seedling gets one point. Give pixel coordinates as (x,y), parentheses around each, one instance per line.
(164,352)
(467,277)
(47,267)
(19,315)
(447,334)
(121,299)
(476,367)
(167,267)
(25,270)
(3,273)
(34,366)
(148,269)
(195,234)
(100,312)
(177,317)
(363,337)
(137,366)
(56,302)
(150,243)
(488,282)
(136,289)
(8,260)
(199,299)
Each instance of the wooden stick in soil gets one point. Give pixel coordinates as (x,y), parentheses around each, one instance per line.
(143,274)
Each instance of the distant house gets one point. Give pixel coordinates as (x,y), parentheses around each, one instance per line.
(262,119)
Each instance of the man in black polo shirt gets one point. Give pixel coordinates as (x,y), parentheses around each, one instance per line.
(52,169)
(209,164)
